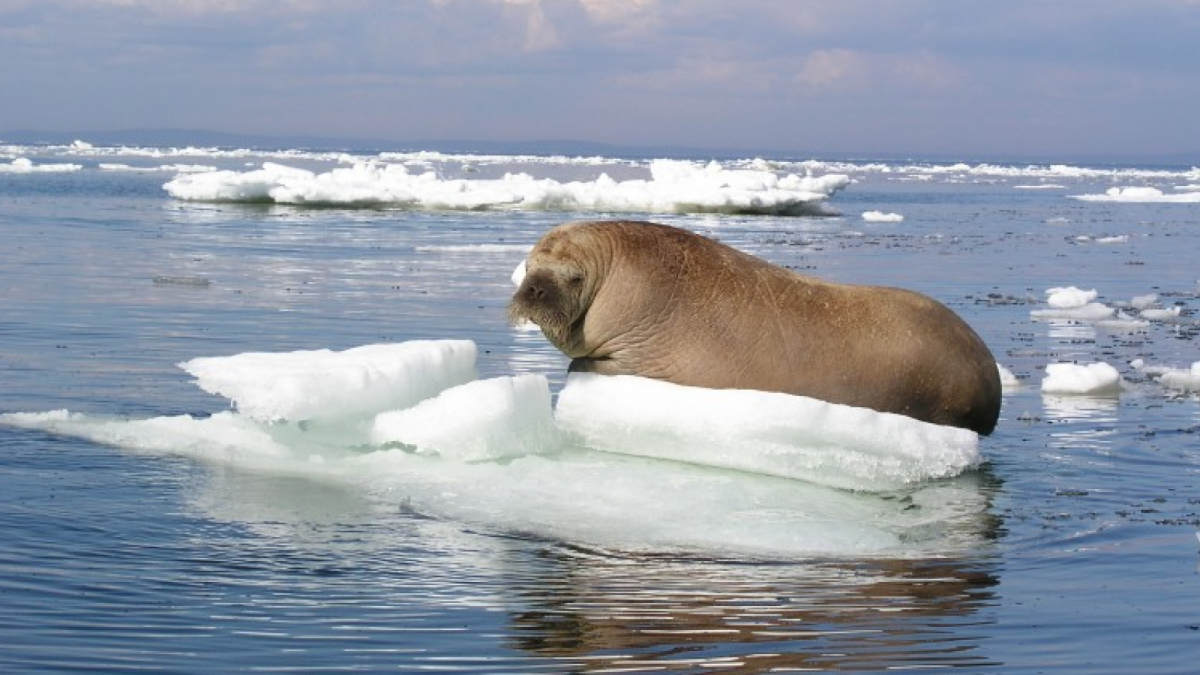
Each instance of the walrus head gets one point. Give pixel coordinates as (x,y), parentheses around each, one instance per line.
(554,293)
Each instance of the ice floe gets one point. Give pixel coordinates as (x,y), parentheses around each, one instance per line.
(25,165)
(674,186)
(621,463)
(1178,379)
(1075,304)
(1138,195)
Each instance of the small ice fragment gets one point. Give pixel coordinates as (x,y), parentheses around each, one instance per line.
(1069,297)
(1008,381)
(1073,379)
(1182,379)
(881,217)
(1161,314)
(1144,301)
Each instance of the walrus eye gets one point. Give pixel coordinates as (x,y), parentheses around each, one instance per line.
(576,279)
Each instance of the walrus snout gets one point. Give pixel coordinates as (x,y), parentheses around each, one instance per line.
(537,288)
(546,301)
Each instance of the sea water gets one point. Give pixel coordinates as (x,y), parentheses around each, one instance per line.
(519,522)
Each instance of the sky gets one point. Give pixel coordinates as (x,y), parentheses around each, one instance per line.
(1037,78)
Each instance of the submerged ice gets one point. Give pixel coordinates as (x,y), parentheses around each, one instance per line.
(673,186)
(623,463)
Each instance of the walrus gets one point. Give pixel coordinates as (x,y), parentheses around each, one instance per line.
(637,298)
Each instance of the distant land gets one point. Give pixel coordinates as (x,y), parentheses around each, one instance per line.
(207,138)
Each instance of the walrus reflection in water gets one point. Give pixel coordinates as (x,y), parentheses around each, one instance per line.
(634,298)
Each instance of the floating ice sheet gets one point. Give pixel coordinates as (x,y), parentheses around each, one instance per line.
(761,432)
(674,186)
(488,453)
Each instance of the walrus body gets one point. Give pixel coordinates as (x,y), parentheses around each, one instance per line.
(631,298)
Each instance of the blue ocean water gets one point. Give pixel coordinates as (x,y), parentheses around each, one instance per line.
(1083,558)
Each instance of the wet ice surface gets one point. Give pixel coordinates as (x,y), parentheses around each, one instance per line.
(1072,548)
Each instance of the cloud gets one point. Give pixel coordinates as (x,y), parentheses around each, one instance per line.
(199,7)
(847,69)
(636,15)
(540,34)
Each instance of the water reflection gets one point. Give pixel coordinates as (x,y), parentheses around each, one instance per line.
(586,609)
(606,613)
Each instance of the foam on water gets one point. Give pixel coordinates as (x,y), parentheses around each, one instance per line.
(674,186)
(490,453)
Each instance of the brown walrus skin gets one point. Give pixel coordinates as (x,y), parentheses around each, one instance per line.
(634,298)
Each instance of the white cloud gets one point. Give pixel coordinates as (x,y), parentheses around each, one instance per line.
(847,69)
(205,6)
(540,34)
(620,11)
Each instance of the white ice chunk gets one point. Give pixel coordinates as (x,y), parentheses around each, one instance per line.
(1069,297)
(1161,314)
(761,432)
(1093,379)
(881,217)
(1093,311)
(1144,301)
(1134,195)
(323,384)
(1182,379)
(481,420)
(1008,381)
(25,165)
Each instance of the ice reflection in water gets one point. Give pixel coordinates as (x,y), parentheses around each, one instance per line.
(589,610)
(661,614)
